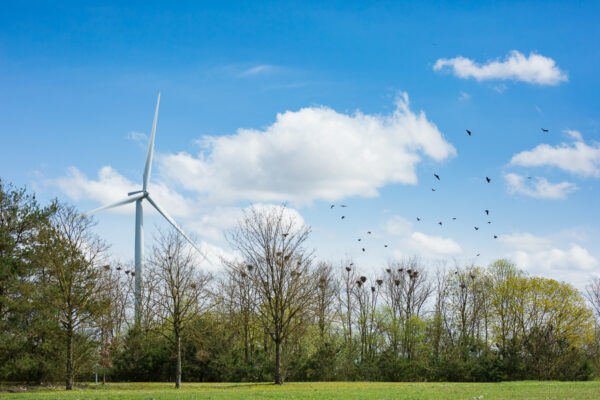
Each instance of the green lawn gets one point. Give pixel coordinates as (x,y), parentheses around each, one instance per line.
(325,390)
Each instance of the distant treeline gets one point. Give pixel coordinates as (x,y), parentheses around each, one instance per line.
(66,311)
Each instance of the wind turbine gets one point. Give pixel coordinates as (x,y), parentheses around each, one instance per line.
(139,196)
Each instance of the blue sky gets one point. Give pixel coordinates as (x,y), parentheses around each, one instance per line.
(315,90)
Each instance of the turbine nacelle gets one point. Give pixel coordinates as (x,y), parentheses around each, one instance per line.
(138,191)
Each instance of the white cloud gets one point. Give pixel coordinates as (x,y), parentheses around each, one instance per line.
(137,137)
(516,66)
(259,69)
(397,225)
(313,153)
(576,135)
(112,186)
(540,188)
(576,158)
(573,259)
(464,96)
(434,246)
(214,257)
(500,88)
(525,241)
(550,257)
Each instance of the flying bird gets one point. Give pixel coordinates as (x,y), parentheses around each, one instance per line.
(478,254)
(487,179)
(333,205)
(436,176)
(418,219)
(343,205)
(487,212)
(285,235)
(454,218)
(440,223)
(369,232)
(495,236)
(489,222)
(528,177)
(476,228)
(343,216)
(363,249)
(385,245)
(468,131)
(544,130)
(359,240)
(432,189)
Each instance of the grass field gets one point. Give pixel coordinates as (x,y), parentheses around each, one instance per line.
(325,390)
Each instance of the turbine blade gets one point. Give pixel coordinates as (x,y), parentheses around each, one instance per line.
(148,165)
(126,200)
(172,222)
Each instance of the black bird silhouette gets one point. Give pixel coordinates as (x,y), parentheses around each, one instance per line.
(440,223)
(528,177)
(489,222)
(436,176)
(369,232)
(487,212)
(454,218)
(476,228)
(495,236)
(432,189)
(385,245)
(343,216)
(418,219)
(285,235)
(544,130)
(363,249)
(468,131)
(487,179)
(343,205)
(359,240)
(478,254)
(333,205)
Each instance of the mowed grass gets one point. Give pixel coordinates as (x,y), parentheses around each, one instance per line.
(325,390)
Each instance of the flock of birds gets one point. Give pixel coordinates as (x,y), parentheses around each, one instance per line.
(440,223)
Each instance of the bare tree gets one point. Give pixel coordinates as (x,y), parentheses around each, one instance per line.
(348,277)
(325,298)
(271,243)
(111,323)
(592,291)
(393,289)
(237,299)
(182,293)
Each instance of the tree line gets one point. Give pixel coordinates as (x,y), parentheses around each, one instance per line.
(276,313)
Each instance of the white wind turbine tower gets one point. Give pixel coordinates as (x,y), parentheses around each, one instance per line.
(139,196)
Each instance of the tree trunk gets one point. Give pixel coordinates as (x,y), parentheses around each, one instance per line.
(246,341)
(178,373)
(278,377)
(69,382)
